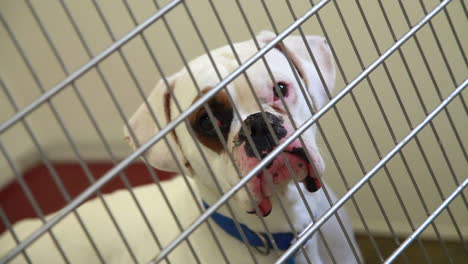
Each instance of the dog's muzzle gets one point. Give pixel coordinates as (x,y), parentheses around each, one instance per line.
(256,127)
(293,161)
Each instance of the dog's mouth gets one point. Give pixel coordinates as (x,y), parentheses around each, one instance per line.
(280,172)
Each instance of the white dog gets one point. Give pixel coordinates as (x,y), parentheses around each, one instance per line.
(239,95)
(166,102)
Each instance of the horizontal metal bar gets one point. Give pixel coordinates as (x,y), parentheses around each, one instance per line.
(298,132)
(88,66)
(310,230)
(123,164)
(426,223)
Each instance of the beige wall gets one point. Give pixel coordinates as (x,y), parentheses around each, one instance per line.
(51,138)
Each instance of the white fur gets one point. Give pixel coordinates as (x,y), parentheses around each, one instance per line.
(103,232)
(186,152)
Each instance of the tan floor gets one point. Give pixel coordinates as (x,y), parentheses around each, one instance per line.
(414,253)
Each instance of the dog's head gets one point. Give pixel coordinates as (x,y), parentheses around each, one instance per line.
(235,121)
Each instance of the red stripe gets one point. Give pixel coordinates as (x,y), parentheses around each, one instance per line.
(16,205)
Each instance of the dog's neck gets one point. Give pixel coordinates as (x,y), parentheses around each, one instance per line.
(276,221)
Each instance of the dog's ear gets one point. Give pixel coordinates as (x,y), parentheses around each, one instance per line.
(298,51)
(144,128)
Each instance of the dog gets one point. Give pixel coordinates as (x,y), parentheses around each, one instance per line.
(238,115)
(234,133)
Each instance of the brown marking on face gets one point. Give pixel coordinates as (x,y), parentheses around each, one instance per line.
(204,129)
(167,106)
(167,112)
(189,167)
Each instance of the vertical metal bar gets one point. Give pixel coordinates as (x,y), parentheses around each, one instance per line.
(85,167)
(395,237)
(392,133)
(201,152)
(120,111)
(249,139)
(456,35)
(47,162)
(88,66)
(312,110)
(195,199)
(52,171)
(309,232)
(271,131)
(238,115)
(157,65)
(386,121)
(464,7)
(449,117)
(324,137)
(250,86)
(421,102)
(236,112)
(457,39)
(297,133)
(427,222)
(35,206)
(368,131)
(114,171)
(88,112)
(10,229)
(433,129)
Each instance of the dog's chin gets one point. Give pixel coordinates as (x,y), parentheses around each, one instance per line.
(279,173)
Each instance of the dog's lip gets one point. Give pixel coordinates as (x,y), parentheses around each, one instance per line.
(311,181)
(280,174)
(264,207)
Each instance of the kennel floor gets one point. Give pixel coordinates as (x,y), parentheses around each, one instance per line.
(16,206)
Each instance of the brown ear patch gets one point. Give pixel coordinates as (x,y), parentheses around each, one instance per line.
(203,126)
(167,106)
(167,112)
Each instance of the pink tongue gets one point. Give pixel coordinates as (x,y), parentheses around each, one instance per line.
(265,206)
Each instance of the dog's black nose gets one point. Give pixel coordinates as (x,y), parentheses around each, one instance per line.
(257,128)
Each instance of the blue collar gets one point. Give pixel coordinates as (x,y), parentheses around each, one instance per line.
(255,239)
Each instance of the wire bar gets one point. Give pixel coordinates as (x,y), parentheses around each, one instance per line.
(325,138)
(312,107)
(53,172)
(88,66)
(29,195)
(309,232)
(98,130)
(315,224)
(365,123)
(427,222)
(249,139)
(298,132)
(120,111)
(212,119)
(223,141)
(10,229)
(119,167)
(180,167)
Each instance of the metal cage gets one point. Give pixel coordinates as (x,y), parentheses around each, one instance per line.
(393,134)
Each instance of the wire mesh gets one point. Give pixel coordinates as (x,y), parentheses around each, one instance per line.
(398,66)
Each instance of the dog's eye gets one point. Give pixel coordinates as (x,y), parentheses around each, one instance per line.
(282,88)
(206,125)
